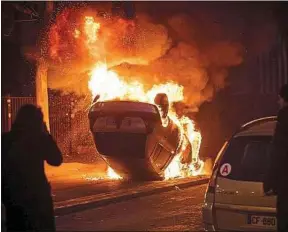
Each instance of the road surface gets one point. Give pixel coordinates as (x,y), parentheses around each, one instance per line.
(86,188)
(74,180)
(176,210)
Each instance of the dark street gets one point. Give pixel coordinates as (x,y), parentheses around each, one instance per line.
(176,210)
(75,180)
(86,188)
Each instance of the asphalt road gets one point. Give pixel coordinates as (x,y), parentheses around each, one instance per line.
(80,188)
(64,191)
(175,210)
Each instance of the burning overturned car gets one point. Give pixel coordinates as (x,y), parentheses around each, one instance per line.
(135,128)
(141,141)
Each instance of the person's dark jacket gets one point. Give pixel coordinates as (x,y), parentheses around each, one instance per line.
(277,178)
(26,192)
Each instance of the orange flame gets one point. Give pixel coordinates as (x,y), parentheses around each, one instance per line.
(91,29)
(109,85)
(112,174)
(77,33)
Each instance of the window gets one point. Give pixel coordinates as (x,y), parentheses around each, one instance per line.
(255,161)
(248,157)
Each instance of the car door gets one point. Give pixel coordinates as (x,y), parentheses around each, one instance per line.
(240,203)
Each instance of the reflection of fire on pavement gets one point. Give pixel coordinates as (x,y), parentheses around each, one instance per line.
(71,172)
(110,174)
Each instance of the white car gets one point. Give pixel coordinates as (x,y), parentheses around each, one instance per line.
(234,199)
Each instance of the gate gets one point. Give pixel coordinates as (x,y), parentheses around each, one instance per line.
(68,122)
(60,122)
(9,109)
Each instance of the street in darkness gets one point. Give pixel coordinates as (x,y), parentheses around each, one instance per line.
(176,210)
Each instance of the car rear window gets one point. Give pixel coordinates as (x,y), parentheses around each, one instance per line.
(249,158)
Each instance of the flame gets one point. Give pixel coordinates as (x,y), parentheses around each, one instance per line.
(112,174)
(77,33)
(109,85)
(91,30)
(176,168)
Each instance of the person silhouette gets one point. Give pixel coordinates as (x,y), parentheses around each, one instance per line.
(26,192)
(276,181)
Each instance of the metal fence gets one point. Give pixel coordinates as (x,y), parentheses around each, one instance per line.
(9,109)
(68,120)
(60,121)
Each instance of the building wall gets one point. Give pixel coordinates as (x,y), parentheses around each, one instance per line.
(252,93)
(273,68)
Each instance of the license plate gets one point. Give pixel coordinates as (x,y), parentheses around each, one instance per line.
(265,221)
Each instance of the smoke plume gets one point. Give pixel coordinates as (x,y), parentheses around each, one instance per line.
(182,49)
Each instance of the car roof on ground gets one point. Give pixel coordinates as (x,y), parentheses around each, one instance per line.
(265,128)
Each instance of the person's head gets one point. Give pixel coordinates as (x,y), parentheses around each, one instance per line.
(283,96)
(30,118)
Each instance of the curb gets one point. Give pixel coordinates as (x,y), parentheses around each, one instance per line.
(95,201)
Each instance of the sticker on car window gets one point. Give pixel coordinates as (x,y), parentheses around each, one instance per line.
(225,169)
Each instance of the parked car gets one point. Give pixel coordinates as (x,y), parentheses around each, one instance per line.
(235,200)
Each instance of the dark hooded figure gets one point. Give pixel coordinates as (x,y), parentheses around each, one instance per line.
(26,192)
(277,178)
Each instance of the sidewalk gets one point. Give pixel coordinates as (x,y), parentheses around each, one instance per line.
(73,172)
